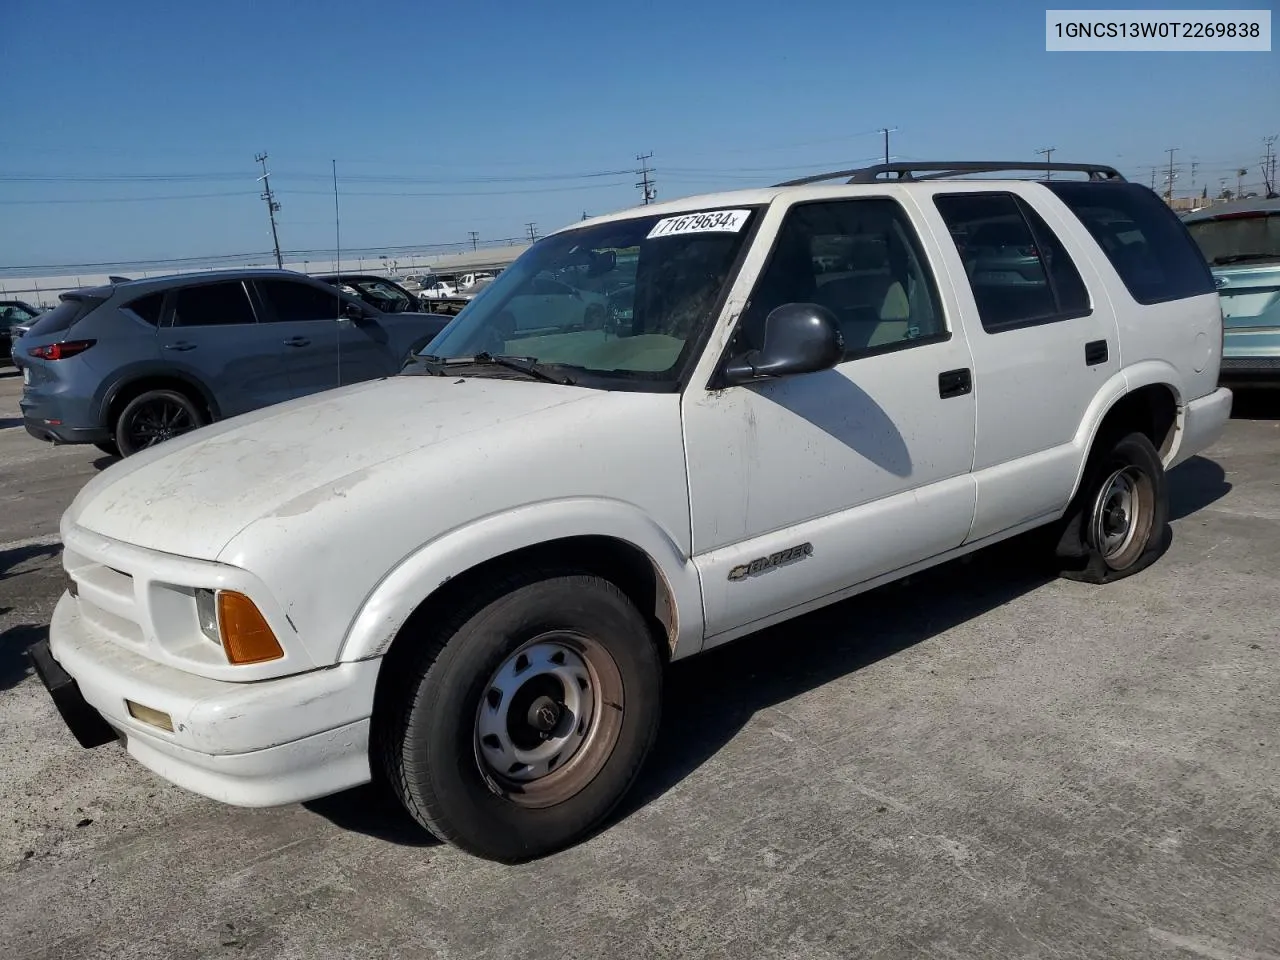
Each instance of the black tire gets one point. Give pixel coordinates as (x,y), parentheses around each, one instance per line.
(429,733)
(108,447)
(1102,540)
(154,416)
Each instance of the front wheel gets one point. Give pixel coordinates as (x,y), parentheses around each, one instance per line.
(1118,524)
(153,417)
(523,723)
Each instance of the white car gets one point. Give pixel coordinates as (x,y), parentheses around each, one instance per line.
(437,290)
(465,582)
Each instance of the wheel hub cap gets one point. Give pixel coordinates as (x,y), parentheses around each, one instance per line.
(1115,512)
(536,713)
(544,714)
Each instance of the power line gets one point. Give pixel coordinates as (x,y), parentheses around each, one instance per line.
(457,193)
(175,196)
(646,184)
(272,206)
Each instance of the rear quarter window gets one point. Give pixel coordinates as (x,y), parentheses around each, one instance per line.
(147,308)
(61,317)
(1144,240)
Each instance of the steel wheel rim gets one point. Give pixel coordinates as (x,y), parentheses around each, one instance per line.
(548,719)
(158,420)
(1120,513)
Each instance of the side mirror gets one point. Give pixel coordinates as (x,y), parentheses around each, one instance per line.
(798,338)
(351,311)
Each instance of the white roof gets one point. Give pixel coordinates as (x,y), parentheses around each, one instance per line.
(764,195)
(705,201)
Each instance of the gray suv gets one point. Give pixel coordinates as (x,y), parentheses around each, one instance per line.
(128,365)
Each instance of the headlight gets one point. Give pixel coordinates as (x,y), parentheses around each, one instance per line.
(235,623)
(207,614)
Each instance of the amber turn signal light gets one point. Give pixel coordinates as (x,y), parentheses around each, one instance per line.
(246,638)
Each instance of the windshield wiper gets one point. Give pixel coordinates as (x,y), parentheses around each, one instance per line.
(526,365)
(1242,257)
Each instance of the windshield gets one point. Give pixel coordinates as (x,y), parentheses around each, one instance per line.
(624,299)
(1251,236)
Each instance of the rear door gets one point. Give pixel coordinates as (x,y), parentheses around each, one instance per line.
(304,319)
(1043,347)
(212,333)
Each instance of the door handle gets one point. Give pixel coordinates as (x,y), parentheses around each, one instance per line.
(1095,352)
(297,342)
(954,383)
(180,345)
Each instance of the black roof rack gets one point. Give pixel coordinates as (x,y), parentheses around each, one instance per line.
(942,170)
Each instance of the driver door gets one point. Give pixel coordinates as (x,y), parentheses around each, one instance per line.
(849,473)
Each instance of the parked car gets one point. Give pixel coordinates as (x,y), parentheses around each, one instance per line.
(437,289)
(1241,242)
(16,317)
(382,294)
(128,365)
(466,582)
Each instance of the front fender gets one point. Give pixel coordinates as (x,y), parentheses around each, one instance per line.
(432,565)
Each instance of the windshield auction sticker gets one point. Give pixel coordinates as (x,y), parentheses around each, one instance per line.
(712,221)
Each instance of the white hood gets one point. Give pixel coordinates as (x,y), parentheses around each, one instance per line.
(190,496)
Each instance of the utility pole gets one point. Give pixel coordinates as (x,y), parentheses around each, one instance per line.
(646,183)
(1194,164)
(475,240)
(533,231)
(1047,153)
(886,131)
(1168,187)
(1240,174)
(272,206)
(1269,165)
(1153,177)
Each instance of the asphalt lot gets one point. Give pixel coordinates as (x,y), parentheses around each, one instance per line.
(977,763)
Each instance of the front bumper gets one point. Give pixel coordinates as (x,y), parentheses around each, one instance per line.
(257,744)
(1203,422)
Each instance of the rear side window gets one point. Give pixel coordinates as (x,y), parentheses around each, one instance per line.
(291,302)
(61,317)
(147,308)
(213,304)
(1018,269)
(1144,240)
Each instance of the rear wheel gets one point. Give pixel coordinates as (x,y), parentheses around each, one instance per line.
(1118,523)
(153,417)
(523,723)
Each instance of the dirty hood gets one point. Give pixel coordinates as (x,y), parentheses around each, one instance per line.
(190,496)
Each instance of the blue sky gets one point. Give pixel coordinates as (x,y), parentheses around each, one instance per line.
(494,114)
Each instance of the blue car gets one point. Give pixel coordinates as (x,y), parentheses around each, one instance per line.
(128,365)
(1241,242)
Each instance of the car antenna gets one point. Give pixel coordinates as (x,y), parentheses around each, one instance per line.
(337,266)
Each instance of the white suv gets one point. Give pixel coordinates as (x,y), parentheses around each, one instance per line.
(465,581)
